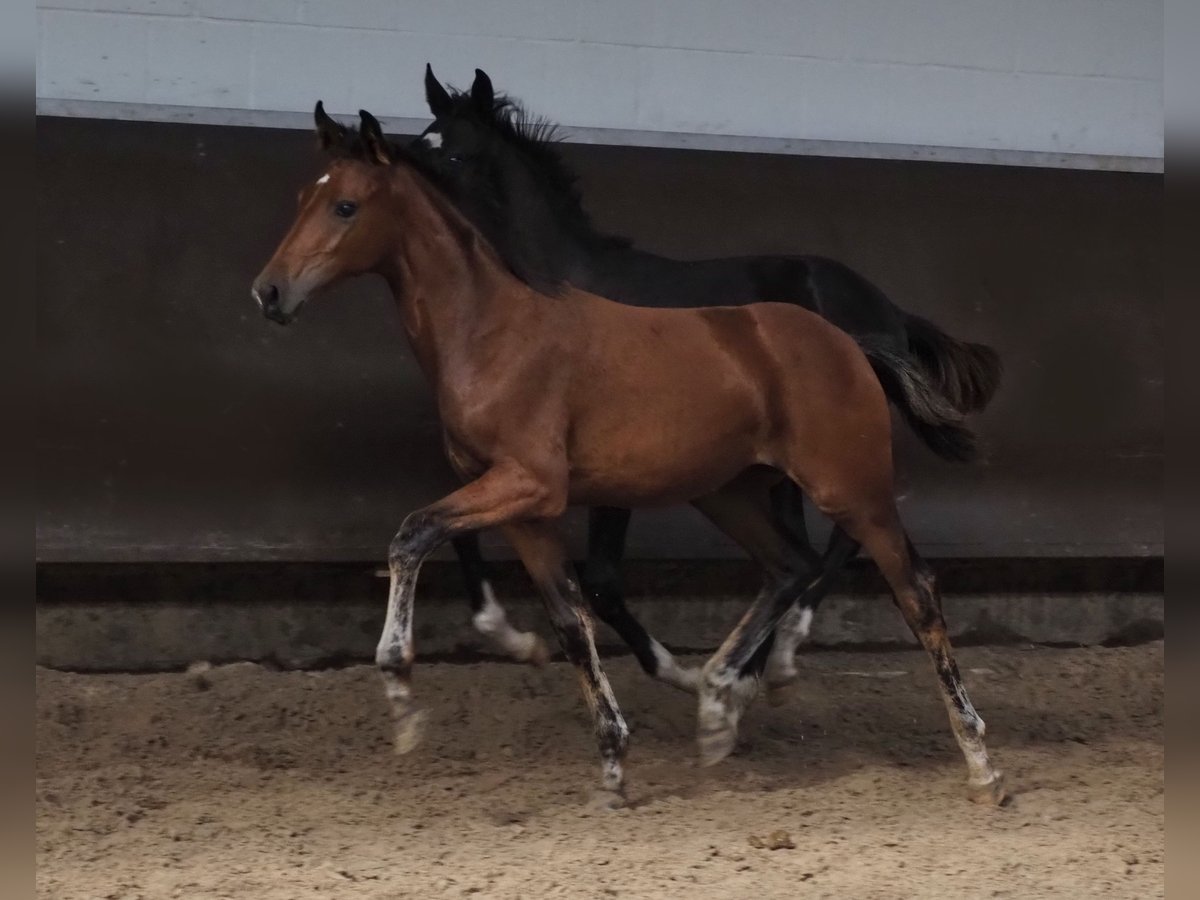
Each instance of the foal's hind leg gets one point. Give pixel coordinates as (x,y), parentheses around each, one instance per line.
(541,549)
(488,615)
(607,527)
(915,590)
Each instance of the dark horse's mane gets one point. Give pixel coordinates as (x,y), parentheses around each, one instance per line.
(538,138)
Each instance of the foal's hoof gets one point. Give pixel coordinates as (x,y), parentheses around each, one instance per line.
(991,793)
(410,729)
(604,800)
(539,653)
(716,743)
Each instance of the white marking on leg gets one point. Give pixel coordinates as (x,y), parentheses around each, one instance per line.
(433,139)
(718,715)
(968,727)
(492,623)
(395,649)
(792,629)
(805,623)
(671,672)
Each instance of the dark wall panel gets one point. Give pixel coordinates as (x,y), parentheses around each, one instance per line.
(176,424)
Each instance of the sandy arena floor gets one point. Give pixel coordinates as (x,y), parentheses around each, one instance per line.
(247,783)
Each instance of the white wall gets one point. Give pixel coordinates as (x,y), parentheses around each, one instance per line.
(1042,76)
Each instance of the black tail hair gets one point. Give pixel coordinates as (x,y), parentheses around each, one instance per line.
(966,374)
(935,419)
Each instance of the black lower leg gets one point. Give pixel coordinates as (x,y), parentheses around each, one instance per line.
(758,628)
(472,566)
(787,509)
(601,577)
(838,552)
(610,608)
(758,662)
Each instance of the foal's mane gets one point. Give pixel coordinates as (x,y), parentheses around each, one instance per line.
(537,138)
(352,145)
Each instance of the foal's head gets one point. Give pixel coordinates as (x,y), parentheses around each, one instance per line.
(345,224)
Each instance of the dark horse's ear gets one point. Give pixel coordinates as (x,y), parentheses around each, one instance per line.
(436,96)
(378,147)
(329,132)
(482,94)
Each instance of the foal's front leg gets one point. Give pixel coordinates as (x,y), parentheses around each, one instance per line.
(541,549)
(499,495)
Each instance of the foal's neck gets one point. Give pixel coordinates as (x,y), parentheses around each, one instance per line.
(448,282)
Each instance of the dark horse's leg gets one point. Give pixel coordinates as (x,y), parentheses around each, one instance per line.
(788,583)
(787,507)
(488,615)
(607,527)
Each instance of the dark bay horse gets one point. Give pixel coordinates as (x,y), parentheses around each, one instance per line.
(547,401)
(503,172)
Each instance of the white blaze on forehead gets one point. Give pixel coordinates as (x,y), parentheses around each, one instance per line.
(433,138)
(324,178)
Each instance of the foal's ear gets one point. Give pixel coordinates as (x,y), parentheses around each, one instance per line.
(378,147)
(436,96)
(329,132)
(482,94)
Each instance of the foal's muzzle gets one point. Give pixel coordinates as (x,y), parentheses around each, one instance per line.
(267,297)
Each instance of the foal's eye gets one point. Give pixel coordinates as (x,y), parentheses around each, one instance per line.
(455,158)
(344,209)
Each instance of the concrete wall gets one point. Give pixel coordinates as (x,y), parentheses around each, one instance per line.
(175,423)
(1056,76)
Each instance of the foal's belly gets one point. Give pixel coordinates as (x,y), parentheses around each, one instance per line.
(662,480)
(668,436)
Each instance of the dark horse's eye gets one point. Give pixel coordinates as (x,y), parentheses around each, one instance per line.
(455,158)
(344,209)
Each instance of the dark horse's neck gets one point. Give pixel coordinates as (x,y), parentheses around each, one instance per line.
(548,240)
(445,277)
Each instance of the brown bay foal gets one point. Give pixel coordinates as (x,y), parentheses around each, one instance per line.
(548,401)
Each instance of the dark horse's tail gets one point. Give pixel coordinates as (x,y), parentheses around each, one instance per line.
(926,409)
(966,374)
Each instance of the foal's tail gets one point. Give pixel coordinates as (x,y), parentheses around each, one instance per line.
(966,374)
(926,409)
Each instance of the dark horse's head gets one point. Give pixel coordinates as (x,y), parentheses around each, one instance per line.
(504,172)
(344,225)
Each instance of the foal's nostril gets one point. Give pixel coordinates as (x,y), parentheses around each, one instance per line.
(267,296)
